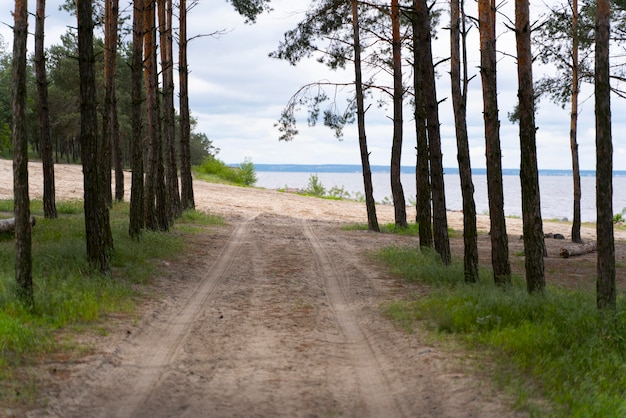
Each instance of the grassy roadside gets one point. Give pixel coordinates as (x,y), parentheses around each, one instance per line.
(68,295)
(553,346)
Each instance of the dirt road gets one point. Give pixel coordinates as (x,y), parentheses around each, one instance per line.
(275,315)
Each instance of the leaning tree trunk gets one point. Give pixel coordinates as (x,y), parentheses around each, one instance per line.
(97,227)
(534,247)
(397,191)
(370,203)
(136,222)
(186,181)
(573,132)
(606,298)
(422,167)
(45,142)
(459,104)
(499,238)
(440,220)
(23,233)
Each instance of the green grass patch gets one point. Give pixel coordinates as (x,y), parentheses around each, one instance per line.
(68,293)
(216,171)
(555,346)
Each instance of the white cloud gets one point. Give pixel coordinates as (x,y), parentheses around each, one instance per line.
(237,93)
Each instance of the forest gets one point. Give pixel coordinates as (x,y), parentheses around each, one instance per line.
(110,105)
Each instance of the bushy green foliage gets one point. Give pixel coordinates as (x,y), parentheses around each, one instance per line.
(214,169)
(315,187)
(557,343)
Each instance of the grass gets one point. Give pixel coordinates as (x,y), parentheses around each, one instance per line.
(68,294)
(216,171)
(554,346)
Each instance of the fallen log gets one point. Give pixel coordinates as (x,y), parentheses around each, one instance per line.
(580,249)
(8,225)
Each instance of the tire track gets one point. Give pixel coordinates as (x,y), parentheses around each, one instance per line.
(143,367)
(374,386)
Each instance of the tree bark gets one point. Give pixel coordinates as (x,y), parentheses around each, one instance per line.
(499,238)
(45,142)
(440,220)
(606,297)
(534,247)
(136,221)
(459,104)
(397,191)
(23,233)
(186,180)
(97,227)
(370,203)
(573,133)
(574,250)
(169,131)
(110,129)
(422,168)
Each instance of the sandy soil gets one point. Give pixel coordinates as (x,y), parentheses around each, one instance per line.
(276,314)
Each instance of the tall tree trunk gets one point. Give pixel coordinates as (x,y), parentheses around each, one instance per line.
(458,49)
(152,114)
(97,227)
(370,203)
(109,77)
(23,235)
(573,132)
(440,220)
(499,238)
(110,119)
(169,132)
(45,142)
(534,247)
(422,168)
(397,191)
(186,181)
(136,222)
(606,298)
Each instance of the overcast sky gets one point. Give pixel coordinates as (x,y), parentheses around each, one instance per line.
(237,93)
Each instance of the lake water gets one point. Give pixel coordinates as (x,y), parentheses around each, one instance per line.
(556,187)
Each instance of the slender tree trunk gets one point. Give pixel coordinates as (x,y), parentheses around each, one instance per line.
(186,182)
(499,238)
(459,103)
(606,298)
(109,77)
(23,231)
(370,203)
(136,222)
(98,230)
(45,142)
(422,168)
(169,132)
(110,100)
(397,191)
(573,132)
(440,221)
(534,247)
(150,75)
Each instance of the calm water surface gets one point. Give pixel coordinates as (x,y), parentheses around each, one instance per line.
(556,190)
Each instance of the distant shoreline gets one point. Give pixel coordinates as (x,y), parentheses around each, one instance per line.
(355,168)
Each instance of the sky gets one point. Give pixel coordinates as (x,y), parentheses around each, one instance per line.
(237,93)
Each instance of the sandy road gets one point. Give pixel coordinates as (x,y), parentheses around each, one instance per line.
(274,316)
